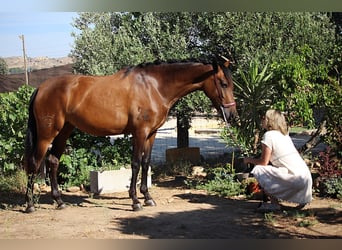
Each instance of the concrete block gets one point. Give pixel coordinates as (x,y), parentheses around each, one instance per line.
(191,154)
(110,181)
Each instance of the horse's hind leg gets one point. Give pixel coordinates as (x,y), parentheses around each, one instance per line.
(32,168)
(58,146)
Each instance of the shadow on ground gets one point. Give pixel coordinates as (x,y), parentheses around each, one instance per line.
(202,217)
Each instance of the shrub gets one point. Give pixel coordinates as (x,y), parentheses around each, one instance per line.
(75,166)
(85,152)
(329,170)
(221,180)
(331,187)
(255,92)
(14,182)
(13,120)
(329,164)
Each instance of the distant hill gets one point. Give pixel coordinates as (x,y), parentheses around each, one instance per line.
(35,63)
(36,77)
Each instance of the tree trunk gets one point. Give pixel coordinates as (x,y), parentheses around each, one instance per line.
(315,139)
(182,134)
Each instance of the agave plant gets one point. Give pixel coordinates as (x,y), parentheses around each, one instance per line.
(255,93)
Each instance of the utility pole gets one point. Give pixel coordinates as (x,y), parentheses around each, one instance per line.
(24,53)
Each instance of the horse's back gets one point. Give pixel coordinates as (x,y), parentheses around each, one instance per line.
(98,105)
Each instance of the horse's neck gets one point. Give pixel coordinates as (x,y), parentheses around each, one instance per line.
(179,81)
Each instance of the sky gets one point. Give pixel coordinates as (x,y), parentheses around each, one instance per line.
(45,33)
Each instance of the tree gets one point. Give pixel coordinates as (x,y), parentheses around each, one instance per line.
(3,67)
(303,53)
(110,41)
(299,49)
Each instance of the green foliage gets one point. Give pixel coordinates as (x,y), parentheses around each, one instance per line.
(300,57)
(16,70)
(13,124)
(222,181)
(329,170)
(108,42)
(332,187)
(187,106)
(298,86)
(116,155)
(3,67)
(255,92)
(237,138)
(102,150)
(13,182)
(85,152)
(75,166)
(330,100)
(299,49)
(299,67)
(273,36)
(80,157)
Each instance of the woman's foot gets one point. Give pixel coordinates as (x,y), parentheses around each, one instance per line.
(268,207)
(300,206)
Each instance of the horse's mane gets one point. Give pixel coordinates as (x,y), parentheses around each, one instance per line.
(143,65)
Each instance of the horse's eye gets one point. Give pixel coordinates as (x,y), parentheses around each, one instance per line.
(224,85)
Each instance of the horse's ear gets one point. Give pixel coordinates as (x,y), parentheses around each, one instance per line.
(226,61)
(215,66)
(226,64)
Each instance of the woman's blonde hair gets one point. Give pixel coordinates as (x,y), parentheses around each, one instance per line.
(275,120)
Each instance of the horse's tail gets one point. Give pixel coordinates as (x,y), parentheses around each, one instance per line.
(31,137)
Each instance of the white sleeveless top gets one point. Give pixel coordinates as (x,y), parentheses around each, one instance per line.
(284,153)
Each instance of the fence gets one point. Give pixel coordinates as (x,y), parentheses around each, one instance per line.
(204,133)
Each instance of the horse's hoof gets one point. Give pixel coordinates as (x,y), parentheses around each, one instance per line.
(61,206)
(30,210)
(150,203)
(137,207)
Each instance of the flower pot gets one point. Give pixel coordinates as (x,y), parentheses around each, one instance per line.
(242,176)
(253,188)
(110,181)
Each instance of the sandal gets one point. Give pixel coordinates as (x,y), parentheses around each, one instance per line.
(300,206)
(268,207)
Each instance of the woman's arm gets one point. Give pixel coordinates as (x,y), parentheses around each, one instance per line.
(263,160)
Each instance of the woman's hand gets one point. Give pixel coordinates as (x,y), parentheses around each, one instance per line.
(246,160)
(263,160)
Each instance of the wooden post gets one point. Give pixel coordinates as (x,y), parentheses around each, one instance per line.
(24,54)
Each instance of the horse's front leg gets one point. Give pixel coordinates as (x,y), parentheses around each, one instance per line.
(133,186)
(144,172)
(143,188)
(136,162)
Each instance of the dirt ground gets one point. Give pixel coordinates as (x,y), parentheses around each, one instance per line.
(180,213)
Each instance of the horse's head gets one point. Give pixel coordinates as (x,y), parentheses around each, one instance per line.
(220,91)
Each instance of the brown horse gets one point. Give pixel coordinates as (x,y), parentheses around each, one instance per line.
(135,100)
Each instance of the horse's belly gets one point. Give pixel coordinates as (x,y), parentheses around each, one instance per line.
(101,122)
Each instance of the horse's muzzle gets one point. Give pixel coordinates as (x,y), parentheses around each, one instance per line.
(228,105)
(228,111)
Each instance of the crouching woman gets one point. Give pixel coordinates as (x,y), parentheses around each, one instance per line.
(280,171)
